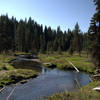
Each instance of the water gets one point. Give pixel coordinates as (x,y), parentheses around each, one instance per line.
(49,82)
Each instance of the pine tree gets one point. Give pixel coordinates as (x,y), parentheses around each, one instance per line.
(29,36)
(20,36)
(59,50)
(55,44)
(95,31)
(5,36)
(77,42)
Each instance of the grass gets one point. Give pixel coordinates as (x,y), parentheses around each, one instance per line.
(82,63)
(85,93)
(21,53)
(61,61)
(4,62)
(10,74)
(15,76)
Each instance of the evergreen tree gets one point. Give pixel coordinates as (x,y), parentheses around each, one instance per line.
(29,36)
(5,36)
(95,31)
(59,50)
(55,44)
(20,36)
(77,42)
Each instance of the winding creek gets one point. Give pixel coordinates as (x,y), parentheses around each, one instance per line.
(50,81)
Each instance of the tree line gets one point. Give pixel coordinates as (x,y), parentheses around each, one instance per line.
(29,36)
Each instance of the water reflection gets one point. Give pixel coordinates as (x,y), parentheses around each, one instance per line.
(50,81)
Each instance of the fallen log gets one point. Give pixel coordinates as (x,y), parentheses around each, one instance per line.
(2,89)
(11,93)
(97,75)
(74,66)
(96,89)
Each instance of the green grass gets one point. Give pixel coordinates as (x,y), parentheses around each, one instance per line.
(61,61)
(85,93)
(7,71)
(82,63)
(19,74)
(4,62)
(21,53)
(10,74)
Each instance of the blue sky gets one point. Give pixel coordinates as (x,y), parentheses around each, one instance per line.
(51,12)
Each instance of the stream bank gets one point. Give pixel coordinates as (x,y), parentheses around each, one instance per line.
(18,69)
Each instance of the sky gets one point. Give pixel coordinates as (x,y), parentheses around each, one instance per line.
(54,13)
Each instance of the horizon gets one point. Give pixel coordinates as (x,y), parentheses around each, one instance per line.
(52,13)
